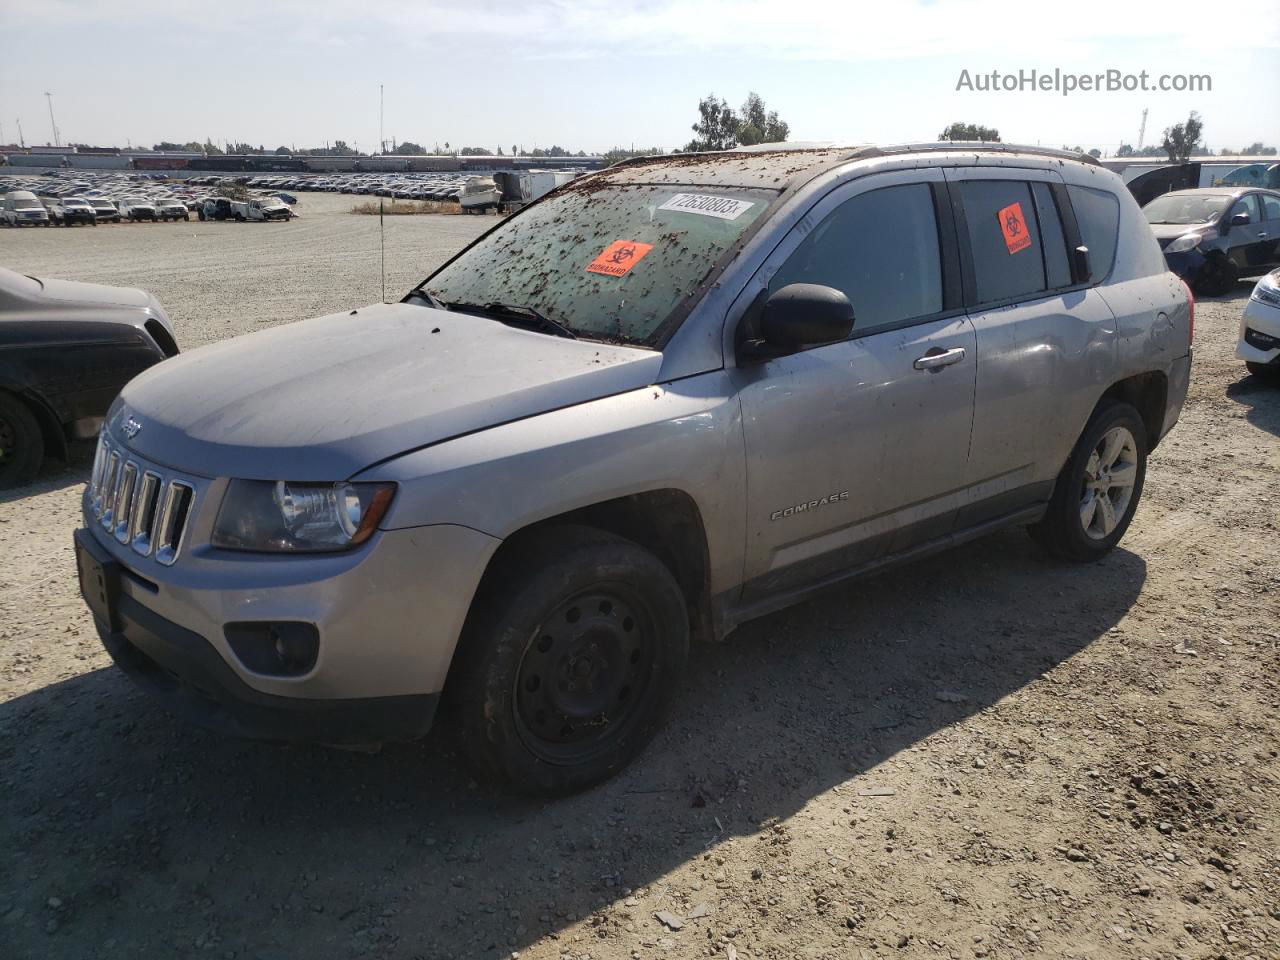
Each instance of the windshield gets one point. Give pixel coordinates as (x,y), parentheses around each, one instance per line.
(611,262)
(24,204)
(1186,208)
(74,203)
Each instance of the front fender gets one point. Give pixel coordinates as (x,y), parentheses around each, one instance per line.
(685,435)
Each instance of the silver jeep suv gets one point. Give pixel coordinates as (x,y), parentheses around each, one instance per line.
(668,398)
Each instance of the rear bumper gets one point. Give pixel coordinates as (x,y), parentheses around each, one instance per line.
(191,678)
(1179,382)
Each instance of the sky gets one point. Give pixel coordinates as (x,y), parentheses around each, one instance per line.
(594,74)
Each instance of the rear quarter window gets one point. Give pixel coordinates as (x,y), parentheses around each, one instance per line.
(1098,216)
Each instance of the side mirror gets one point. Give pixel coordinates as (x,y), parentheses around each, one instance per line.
(802,315)
(1081,272)
(1240,220)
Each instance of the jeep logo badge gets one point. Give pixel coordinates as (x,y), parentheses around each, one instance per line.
(131,428)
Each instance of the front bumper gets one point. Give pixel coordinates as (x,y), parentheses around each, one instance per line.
(1262,318)
(1186,264)
(388,618)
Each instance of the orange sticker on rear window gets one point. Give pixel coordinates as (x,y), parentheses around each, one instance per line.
(619,257)
(1014,227)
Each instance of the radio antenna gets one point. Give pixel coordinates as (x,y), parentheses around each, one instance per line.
(382,229)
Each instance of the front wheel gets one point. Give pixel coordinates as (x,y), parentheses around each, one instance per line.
(1217,277)
(1264,371)
(573,651)
(21,444)
(1098,490)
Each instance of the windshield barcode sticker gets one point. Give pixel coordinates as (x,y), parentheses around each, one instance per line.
(723,208)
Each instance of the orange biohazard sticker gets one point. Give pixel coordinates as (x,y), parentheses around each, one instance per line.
(1014,227)
(619,257)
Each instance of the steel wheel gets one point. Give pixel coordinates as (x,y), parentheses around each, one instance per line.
(583,671)
(1109,479)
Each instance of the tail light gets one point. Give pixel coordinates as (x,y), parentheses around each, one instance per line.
(1191,311)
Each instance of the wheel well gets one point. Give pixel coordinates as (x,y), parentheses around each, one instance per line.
(668,524)
(1147,393)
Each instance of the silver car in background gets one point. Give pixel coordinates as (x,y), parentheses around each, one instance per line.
(663,400)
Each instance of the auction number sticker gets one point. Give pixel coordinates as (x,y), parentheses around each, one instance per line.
(1014,227)
(722,208)
(619,257)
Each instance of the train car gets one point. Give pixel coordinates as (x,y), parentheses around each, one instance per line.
(37,160)
(383,164)
(160,161)
(99,161)
(275,162)
(330,164)
(435,164)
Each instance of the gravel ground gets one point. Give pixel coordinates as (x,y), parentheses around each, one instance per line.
(987,754)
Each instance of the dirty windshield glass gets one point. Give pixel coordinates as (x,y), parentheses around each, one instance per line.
(611,262)
(1185,208)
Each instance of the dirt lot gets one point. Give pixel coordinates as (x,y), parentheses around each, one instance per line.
(987,754)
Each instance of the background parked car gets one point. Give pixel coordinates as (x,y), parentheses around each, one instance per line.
(51,394)
(1259,344)
(23,208)
(171,209)
(217,208)
(53,207)
(77,210)
(137,208)
(1213,236)
(104,209)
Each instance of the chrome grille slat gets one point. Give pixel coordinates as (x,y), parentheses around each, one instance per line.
(139,506)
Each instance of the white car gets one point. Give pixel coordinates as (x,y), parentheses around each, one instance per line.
(171,208)
(137,208)
(1259,345)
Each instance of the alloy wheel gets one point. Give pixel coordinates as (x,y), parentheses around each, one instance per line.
(1109,479)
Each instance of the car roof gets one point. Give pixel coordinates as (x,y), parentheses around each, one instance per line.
(782,166)
(1210,191)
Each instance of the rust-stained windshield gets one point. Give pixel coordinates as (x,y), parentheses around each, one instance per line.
(610,263)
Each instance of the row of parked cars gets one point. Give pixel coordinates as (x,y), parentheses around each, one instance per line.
(91,199)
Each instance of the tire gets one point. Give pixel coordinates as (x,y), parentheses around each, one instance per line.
(21,443)
(1078,524)
(1217,277)
(601,617)
(1264,371)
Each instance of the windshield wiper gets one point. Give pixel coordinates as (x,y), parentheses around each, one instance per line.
(517,315)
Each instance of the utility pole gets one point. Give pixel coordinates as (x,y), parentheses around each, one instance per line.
(57,142)
(382,140)
(21,142)
(1142,130)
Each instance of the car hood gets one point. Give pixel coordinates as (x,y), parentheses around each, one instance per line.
(323,399)
(1171,231)
(94,293)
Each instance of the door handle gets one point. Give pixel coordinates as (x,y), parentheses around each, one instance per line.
(937,358)
(1263,234)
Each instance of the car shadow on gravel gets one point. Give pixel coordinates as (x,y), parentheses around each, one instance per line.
(1262,398)
(56,473)
(162,839)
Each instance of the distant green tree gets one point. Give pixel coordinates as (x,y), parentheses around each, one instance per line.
(408,149)
(166,145)
(1125,150)
(1257,149)
(716,128)
(756,124)
(211,148)
(1095,153)
(283,151)
(476,152)
(970,132)
(618,154)
(1181,139)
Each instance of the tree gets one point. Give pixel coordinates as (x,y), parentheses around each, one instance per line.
(476,152)
(1125,150)
(759,125)
(283,151)
(1095,153)
(717,126)
(166,145)
(1256,149)
(1181,139)
(970,131)
(618,154)
(211,148)
(408,149)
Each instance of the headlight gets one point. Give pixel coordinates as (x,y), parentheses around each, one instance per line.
(1184,243)
(1268,291)
(288,517)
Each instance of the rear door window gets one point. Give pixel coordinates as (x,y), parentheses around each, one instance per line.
(1098,214)
(1270,207)
(1004,236)
(880,248)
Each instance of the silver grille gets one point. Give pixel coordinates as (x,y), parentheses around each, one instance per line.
(138,505)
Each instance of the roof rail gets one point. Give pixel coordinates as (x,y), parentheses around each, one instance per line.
(987,146)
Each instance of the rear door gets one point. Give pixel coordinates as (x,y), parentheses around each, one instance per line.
(1246,248)
(857,449)
(1269,229)
(1046,343)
